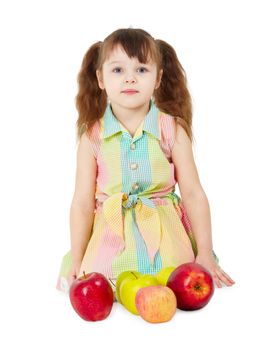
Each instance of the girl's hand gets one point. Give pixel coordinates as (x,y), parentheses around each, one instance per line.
(73,273)
(208,261)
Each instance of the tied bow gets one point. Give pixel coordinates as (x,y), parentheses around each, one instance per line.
(147,219)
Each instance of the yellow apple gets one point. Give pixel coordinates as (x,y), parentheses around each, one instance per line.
(130,286)
(123,275)
(163,275)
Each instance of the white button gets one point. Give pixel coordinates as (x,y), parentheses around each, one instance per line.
(135,186)
(133,166)
(132,146)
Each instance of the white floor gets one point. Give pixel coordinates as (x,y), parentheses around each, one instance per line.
(220,45)
(230,320)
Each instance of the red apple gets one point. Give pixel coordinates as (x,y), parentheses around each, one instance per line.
(193,286)
(91,296)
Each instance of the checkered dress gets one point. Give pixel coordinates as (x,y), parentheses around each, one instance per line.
(140,223)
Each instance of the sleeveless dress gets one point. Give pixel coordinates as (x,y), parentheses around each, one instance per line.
(140,223)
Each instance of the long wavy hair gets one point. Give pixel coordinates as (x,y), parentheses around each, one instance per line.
(172,97)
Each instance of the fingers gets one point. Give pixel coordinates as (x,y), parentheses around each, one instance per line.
(227,276)
(217,281)
(222,276)
(71,279)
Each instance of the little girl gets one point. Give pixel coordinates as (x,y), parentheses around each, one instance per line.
(135,143)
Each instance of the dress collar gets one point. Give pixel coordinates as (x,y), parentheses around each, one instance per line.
(150,124)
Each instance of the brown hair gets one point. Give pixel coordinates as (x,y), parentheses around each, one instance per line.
(172,97)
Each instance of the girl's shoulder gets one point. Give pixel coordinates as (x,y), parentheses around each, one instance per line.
(168,127)
(94,137)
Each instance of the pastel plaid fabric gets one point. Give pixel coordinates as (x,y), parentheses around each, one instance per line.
(140,223)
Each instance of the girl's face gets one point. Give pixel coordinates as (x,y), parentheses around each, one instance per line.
(119,73)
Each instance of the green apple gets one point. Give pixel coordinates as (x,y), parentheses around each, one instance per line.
(130,286)
(123,275)
(163,275)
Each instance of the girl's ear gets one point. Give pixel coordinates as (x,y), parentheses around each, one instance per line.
(159,79)
(100,79)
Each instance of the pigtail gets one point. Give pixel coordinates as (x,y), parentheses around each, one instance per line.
(91,100)
(172,96)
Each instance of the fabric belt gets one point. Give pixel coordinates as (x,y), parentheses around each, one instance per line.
(147,217)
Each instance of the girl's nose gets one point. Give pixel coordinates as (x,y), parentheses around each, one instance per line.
(130,79)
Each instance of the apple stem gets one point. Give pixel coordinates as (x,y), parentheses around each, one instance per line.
(134,274)
(84,274)
(112,282)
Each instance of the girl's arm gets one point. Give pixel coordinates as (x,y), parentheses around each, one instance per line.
(196,205)
(192,194)
(83,202)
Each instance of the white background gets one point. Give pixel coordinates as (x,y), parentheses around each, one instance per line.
(222,49)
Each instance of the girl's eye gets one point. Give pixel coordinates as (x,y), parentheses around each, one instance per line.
(118,69)
(143,68)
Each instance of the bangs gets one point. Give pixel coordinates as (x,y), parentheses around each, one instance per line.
(135,42)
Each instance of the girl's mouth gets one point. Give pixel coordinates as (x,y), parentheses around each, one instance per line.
(130,92)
